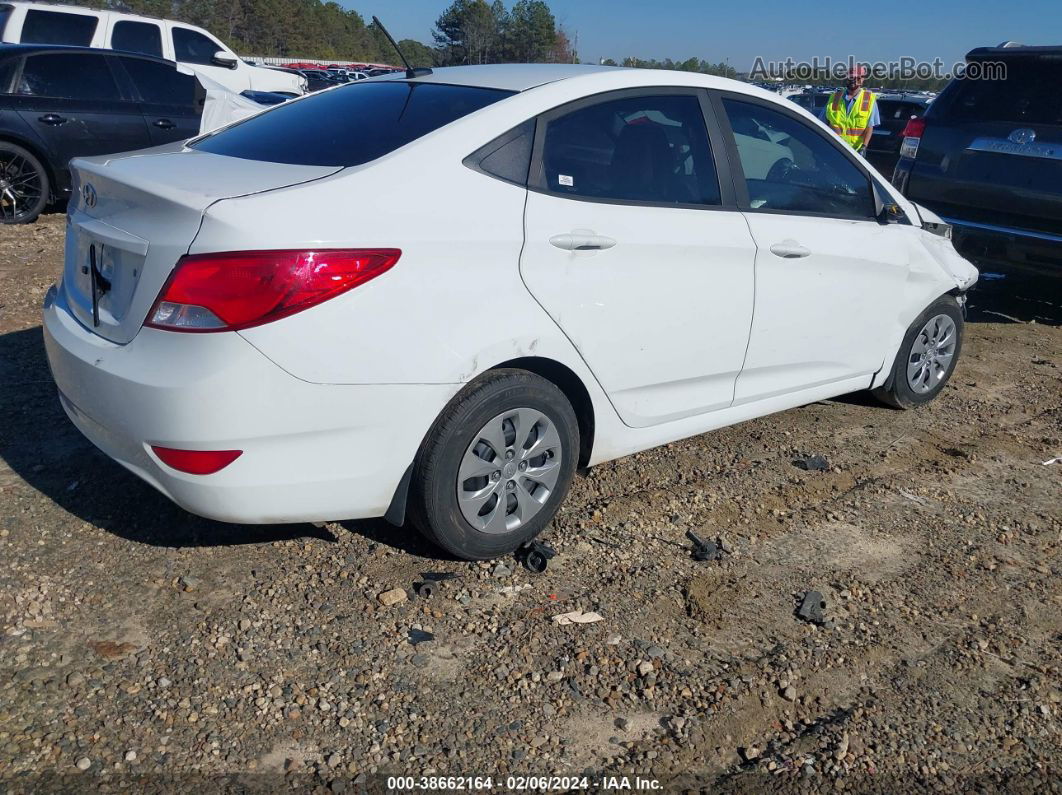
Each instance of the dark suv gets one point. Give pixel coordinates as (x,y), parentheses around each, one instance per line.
(987,157)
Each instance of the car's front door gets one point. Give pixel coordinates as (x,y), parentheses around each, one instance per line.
(829,276)
(74,103)
(637,252)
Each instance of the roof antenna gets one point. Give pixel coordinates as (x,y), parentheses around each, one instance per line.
(410,71)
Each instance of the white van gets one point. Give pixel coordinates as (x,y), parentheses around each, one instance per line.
(46,23)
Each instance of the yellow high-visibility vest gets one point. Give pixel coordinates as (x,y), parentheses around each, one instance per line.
(850,125)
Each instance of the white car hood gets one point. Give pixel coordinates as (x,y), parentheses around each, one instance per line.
(222,106)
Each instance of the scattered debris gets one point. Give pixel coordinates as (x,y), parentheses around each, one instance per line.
(811,463)
(420,636)
(425,589)
(109,650)
(439,576)
(393,597)
(577,617)
(535,556)
(513,590)
(189,583)
(812,608)
(501,571)
(1050,461)
(705,550)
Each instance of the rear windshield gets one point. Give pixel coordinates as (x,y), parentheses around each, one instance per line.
(350,125)
(1028,95)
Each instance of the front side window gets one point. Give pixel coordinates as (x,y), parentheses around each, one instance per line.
(68,76)
(651,148)
(56,27)
(160,83)
(130,36)
(791,167)
(189,46)
(349,126)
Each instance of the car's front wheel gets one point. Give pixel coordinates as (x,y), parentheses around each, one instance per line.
(495,466)
(23,185)
(927,356)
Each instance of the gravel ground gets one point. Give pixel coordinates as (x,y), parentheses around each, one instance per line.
(143,647)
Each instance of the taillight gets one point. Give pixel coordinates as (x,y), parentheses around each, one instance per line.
(239,289)
(196,462)
(912,135)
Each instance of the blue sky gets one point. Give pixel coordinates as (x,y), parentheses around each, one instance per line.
(739,30)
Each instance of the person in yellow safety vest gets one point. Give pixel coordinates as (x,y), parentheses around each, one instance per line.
(853,113)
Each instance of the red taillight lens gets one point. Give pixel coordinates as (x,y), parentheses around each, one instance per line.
(915,127)
(239,289)
(912,136)
(196,462)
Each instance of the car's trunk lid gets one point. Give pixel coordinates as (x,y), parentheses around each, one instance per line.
(131,218)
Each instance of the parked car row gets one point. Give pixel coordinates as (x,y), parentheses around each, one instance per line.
(195,48)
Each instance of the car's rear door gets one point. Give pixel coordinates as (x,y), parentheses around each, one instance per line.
(73,102)
(170,101)
(829,276)
(634,247)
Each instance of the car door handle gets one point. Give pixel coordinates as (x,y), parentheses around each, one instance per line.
(577,241)
(789,249)
(52,118)
(164,124)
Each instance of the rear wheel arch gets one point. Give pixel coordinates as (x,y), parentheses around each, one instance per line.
(565,379)
(561,376)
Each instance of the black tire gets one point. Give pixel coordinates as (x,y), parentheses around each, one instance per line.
(24,185)
(433,499)
(897,391)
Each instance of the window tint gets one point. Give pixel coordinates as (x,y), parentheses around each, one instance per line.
(69,76)
(7,75)
(790,166)
(351,125)
(145,37)
(508,156)
(650,148)
(160,83)
(192,47)
(55,27)
(893,109)
(1028,95)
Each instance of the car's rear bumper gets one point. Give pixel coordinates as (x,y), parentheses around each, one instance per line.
(988,243)
(311,452)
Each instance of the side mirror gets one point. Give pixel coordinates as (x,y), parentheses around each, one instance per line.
(886,210)
(222,58)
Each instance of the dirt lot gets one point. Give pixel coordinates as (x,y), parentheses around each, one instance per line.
(141,644)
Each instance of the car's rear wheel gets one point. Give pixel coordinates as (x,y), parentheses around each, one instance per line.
(927,356)
(495,466)
(24,185)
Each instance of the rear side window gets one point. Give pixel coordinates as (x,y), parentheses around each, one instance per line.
(190,46)
(902,111)
(160,83)
(651,148)
(350,125)
(68,76)
(1028,95)
(55,27)
(130,36)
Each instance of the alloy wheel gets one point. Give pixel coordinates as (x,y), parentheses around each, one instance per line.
(20,187)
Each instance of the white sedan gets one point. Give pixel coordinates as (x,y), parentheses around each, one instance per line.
(437,297)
